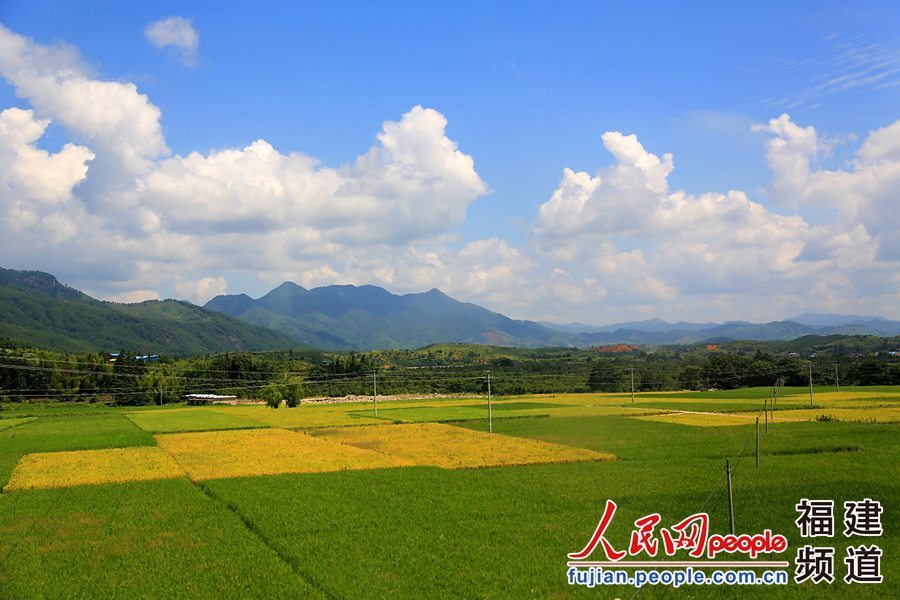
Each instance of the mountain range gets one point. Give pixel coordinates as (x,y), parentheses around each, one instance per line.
(369,317)
(37,310)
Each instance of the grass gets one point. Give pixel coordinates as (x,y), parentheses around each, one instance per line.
(816,450)
(751,393)
(83,467)
(190,419)
(159,539)
(505,532)
(590,399)
(455,448)
(56,408)
(602,410)
(436,413)
(522,405)
(217,454)
(419,532)
(300,417)
(641,441)
(422,531)
(8,423)
(426,414)
(717,405)
(52,434)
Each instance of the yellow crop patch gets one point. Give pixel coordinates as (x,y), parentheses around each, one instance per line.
(434,444)
(853,415)
(240,453)
(701,419)
(852,395)
(84,467)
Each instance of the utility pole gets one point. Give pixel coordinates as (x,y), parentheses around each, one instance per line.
(778,385)
(810,385)
(375,391)
(490,406)
(632,383)
(757,442)
(837,381)
(730,497)
(160,396)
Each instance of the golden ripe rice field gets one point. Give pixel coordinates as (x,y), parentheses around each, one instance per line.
(700,419)
(84,467)
(450,447)
(241,453)
(857,414)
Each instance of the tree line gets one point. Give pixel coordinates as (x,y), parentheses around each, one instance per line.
(30,374)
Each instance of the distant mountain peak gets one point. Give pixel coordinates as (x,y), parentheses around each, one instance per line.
(289,286)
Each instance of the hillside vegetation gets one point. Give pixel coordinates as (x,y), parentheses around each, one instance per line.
(37,310)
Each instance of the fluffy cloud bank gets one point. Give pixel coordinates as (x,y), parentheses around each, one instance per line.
(115,213)
(652,247)
(414,184)
(184,220)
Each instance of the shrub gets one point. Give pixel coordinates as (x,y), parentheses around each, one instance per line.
(272,395)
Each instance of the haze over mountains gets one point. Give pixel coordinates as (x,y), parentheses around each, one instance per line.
(655,331)
(347,316)
(36,309)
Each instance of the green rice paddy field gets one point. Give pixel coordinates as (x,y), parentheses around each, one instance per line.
(425,531)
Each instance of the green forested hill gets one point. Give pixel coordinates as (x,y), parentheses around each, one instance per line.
(37,310)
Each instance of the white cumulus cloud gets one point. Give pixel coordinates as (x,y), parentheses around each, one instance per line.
(669,252)
(413,184)
(177,33)
(120,125)
(865,194)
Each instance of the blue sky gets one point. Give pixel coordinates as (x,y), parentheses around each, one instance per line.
(525,90)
